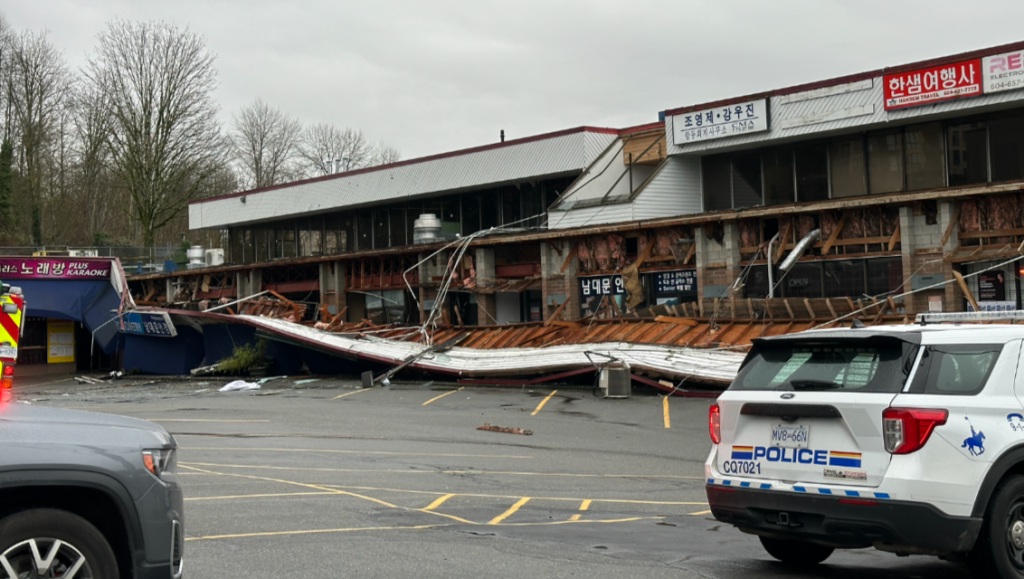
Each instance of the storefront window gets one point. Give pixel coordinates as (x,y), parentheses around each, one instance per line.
(885,162)
(717,183)
(802,281)
(844,278)
(884,275)
(1007,148)
(925,157)
(846,162)
(811,172)
(778,175)
(746,180)
(968,154)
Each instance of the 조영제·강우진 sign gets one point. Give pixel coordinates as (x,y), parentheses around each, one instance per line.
(719,122)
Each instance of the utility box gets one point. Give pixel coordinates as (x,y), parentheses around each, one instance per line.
(616,381)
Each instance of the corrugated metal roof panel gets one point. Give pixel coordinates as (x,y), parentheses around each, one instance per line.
(563,153)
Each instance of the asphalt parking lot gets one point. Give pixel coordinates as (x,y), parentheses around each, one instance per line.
(319,478)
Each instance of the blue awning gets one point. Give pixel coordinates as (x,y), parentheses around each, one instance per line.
(86,301)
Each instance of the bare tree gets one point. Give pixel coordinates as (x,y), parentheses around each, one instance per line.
(165,141)
(265,143)
(383,153)
(37,85)
(323,144)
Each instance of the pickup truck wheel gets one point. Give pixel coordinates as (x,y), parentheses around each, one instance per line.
(795,552)
(999,551)
(53,543)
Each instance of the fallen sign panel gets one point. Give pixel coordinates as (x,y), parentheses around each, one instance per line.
(706,366)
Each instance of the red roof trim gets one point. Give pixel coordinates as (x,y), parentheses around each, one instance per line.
(853,77)
(513,142)
(642,128)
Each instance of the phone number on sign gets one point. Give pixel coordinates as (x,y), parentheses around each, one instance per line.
(741,467)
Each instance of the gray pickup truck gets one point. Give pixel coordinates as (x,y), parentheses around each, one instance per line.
(87,496)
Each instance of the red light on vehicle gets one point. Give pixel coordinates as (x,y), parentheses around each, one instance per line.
(907,429)
(5,395)
(861,502)
(715,423)
(6,382)
(9,370)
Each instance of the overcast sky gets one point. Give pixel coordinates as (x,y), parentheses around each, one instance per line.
(430,77)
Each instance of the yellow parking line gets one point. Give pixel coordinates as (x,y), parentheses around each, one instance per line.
(351,393)
(585,504)
(437,502)
(575,517)
(441,396)
(543,402)
(257,496)
(308,532)
(509,512)
(701,513)
(664,403)
(198,420)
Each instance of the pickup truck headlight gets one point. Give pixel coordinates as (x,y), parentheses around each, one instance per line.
(160,462)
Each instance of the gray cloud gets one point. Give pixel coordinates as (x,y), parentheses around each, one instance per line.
(434,76)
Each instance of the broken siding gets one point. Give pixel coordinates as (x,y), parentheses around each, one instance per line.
(558,155)
(674,190)
(600,214)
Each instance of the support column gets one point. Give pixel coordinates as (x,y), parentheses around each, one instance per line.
(486,303)
(557,285)
(718,263)
(332,286)
(922,253)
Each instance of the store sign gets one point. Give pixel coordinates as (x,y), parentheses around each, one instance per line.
(602,285)
(719,122)
(1001,72)
(41,267)
(684,280)
(933,84)
(156,324)
(991,286)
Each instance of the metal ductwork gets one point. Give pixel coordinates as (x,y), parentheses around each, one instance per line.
(799,249)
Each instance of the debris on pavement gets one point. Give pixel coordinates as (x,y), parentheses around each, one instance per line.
(239,385)
(505,429)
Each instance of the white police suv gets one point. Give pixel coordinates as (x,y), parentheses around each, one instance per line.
(908,438)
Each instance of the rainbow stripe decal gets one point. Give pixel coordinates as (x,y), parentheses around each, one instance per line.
(841,458)
(742,452)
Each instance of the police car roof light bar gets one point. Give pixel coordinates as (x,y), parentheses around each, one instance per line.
(930,317)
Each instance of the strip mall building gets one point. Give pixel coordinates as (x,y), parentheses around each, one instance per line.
(910,175)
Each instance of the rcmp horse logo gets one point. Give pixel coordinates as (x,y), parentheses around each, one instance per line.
(975,443)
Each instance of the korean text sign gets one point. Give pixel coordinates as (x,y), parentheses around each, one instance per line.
(42,267)
(148,324)
(933,84)
(680,281)
(719,122)
(604,285)
(1001,72)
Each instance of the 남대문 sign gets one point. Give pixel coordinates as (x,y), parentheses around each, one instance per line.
(932,84)
(601,285)
(719,122)
(1001,72)
(156,324)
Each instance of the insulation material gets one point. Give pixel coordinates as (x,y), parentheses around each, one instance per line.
(617,247)
(634,289)
(804,225)
(601,253)
(828,220)
(854,226)
(750,234)
(872,222)
(969,219)
(1000,212)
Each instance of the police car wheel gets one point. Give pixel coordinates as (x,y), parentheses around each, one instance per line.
(54,543)
(999,551)
(795,552)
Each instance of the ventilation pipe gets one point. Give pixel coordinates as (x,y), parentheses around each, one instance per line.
(801,247)
(771,277)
